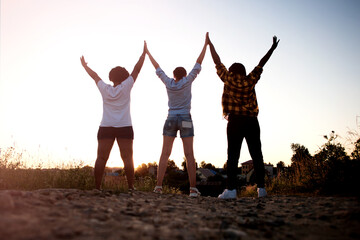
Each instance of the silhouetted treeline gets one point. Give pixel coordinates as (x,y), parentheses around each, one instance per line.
(330,171)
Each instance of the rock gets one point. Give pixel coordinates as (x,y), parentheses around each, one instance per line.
(6,202)
(231,233)
(66,232)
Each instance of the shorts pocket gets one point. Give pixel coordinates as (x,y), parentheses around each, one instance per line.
(170,127)
(186,124)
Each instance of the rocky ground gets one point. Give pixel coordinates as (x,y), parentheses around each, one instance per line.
(77,214)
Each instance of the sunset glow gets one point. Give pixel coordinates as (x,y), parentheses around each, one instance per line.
(51,108)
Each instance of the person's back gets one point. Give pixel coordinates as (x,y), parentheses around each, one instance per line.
(179,91)
(241,109)
(239,96)
(178,119)
(116,103)
(116,119)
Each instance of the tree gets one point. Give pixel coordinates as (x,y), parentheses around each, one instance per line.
(171,166)
(301,163)
(280,165)
(183,164)
(176,178)
(332,151)
(355,155)
(203,164)
(152,168)
(334,164)
(142,170)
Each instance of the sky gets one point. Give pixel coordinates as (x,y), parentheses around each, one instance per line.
(51,109)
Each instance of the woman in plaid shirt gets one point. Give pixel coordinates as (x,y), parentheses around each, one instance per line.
(241,109)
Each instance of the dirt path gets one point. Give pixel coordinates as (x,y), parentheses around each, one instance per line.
(76,214)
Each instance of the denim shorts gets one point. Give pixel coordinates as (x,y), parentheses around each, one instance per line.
(182,122)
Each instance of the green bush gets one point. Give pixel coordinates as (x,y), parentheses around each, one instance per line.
(330,171)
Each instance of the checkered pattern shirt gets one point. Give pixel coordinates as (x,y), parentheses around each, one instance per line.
(239,95)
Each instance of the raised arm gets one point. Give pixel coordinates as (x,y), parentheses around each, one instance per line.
(139,64)
(214,54)
(202,54)
(264,60)
(152,60)
(92,74)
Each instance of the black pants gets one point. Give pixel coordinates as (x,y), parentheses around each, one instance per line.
(238,128)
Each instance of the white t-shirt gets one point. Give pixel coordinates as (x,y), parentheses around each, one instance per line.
(116,103)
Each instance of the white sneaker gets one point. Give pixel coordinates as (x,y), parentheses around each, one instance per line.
(261,192)
(158,189)
(228,194)
(195,192)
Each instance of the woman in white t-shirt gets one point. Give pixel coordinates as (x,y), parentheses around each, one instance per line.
(116,119)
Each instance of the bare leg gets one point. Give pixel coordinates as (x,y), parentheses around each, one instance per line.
(126,152)
(165,154)
(190,159)
(104,148)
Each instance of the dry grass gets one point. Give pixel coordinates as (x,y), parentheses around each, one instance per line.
(15,175)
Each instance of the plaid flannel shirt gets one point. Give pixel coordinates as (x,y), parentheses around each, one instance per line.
(239,95)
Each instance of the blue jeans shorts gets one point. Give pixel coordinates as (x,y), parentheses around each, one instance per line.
(182,122)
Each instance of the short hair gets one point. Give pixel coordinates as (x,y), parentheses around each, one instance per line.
(118,74)
(179,73)
(238,68)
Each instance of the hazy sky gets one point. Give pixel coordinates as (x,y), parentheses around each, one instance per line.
(51,109)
